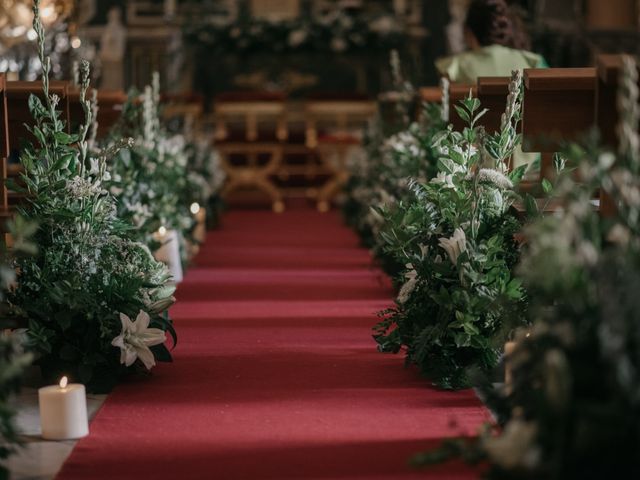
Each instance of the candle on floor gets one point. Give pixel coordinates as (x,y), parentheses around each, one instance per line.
(63,411)
(509,347)
(169,252)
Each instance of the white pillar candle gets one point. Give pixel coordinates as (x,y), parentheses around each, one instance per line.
(63,411)
(169,252)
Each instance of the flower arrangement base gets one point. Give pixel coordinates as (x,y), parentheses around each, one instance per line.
(169,253)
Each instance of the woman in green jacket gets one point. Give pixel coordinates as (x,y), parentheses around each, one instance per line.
(496,45)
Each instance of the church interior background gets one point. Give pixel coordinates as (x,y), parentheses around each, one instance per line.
(244,191)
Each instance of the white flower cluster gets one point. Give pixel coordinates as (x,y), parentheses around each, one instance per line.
(80,187)
(404,143)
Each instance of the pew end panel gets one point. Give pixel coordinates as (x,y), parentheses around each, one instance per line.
(559,107)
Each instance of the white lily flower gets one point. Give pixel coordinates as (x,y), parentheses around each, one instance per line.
(95,166)
(444,178)
(455,245)
(136,338)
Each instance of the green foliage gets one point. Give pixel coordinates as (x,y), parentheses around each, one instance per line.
(87,270)
(334,32)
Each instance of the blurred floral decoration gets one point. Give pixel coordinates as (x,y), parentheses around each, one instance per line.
(573,408)
(334,31)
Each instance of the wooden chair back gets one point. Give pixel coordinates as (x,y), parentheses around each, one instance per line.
(341,118)
(110,104)
(18,94)
(247,112)
(184,109)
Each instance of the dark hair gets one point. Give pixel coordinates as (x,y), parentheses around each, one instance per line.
(492,22)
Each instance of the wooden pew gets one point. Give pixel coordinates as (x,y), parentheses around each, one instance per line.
(344,119)
(17,98)
(183,112)
(559,106)
(18,94)
(76,113)
(457,92)
(110,104)
(492,93)
(109,109)
(252,126)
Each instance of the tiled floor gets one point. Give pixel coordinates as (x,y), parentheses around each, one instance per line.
(40,459)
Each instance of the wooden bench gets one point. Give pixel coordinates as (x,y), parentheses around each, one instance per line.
(182,111)
(17,98)
(332,129)
(110,104)
(239,118)
(492,93)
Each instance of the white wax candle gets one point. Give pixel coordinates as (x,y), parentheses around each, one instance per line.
(63,411)
(169,252)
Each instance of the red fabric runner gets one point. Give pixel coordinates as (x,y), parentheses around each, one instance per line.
(276,375)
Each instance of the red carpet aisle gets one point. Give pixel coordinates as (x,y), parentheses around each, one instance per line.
(275,375)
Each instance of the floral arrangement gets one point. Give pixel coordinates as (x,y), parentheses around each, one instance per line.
(334,31)
(88,276)
(455,236)
(151,181)
(573,408)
